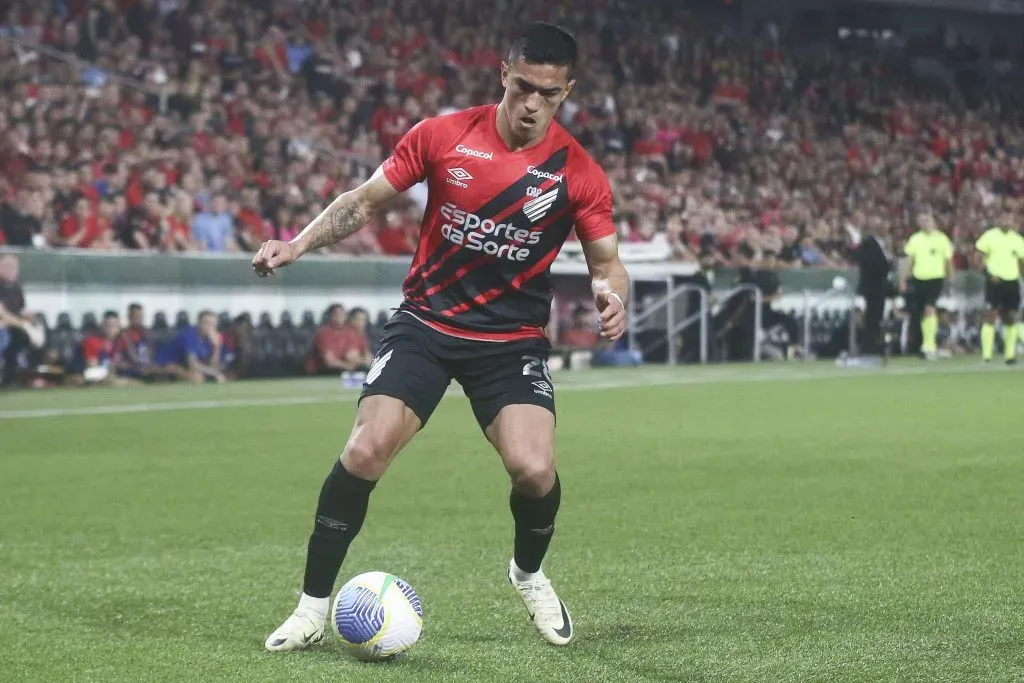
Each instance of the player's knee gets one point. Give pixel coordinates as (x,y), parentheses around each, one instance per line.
(365,456)
(533,473)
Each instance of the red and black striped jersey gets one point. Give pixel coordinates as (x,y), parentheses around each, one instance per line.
(495,221)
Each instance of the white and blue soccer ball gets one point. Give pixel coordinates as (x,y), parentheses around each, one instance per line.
(377,616)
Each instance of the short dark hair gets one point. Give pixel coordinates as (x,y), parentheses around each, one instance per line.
(205,312)
(356,311)
(329,311)
(134,307)
(542,43)
(107,315)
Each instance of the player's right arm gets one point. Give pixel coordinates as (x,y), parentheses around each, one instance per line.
(907,267)
(983,246)
(343,217)
(407,166)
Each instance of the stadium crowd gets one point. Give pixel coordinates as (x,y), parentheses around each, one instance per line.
(180,125)
(144,346)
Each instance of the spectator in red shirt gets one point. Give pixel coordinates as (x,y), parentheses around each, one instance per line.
(135,348)
(340,345)
(177,223)
(100,356)
(582,336)
(252,228)
(80,229)
(390,123)
(397,237)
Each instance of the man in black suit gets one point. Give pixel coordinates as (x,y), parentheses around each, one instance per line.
(13,319)
(875,284)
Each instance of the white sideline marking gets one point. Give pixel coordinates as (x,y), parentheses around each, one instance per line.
(747,374)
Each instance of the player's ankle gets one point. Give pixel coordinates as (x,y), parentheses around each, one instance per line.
(315,607)
(521,575)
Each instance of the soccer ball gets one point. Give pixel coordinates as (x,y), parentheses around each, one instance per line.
(377,616)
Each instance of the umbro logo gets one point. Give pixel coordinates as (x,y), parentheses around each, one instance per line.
(536,209)
(458,178)
(543,389)
(332,523)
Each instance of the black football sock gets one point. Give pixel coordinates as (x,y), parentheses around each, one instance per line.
(535,524)
(340,512)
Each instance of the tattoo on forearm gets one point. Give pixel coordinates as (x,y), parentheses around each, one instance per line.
(339,220)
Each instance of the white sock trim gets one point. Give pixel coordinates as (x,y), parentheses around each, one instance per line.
(318,606)
(520,576)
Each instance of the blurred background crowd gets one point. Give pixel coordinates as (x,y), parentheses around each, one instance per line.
(177,125)
(210,126)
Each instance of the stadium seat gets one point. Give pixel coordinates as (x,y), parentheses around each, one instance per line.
(64,322)
(181,320)
(265,322)
(223,320)
(160,321)
(286,321)
(308,319)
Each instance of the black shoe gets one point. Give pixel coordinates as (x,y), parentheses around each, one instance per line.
(1011,361)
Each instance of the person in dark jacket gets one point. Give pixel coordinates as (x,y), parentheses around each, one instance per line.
(875,285)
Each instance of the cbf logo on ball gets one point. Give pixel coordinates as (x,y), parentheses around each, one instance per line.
(504,240)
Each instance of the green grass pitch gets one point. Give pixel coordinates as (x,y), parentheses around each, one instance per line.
(798,523)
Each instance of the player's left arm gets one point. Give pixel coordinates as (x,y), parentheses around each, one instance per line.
(982,248)
(596,231)
(1020,258)
(610,284)
(906,266)
(950,259)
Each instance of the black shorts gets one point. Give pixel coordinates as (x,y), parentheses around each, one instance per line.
(1002,295)
(926,292)
(415,364)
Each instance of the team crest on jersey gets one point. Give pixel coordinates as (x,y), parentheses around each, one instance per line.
(537,208)
(378,366)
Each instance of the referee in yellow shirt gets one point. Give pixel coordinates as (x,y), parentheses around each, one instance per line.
(1002,248)
(931,262)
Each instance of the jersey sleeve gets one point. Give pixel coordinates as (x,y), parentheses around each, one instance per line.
(593,205)
(984,243)
(409,163)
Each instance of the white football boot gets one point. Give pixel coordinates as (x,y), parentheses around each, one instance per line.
(299,631)
(546,611)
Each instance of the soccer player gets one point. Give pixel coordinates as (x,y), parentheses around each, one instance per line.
(931,262)
(506,184)
(1002,248)
(136,348)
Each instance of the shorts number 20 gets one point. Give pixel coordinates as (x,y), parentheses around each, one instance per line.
(536,367)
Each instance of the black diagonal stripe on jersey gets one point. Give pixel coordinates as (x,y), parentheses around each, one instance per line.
(495,206)
(504,199)
(498,273)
